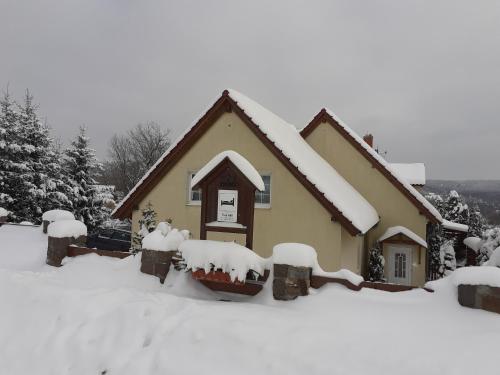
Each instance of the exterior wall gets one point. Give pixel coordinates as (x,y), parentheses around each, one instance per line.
(352,252)
(295,215)
(392,206)
(419,260)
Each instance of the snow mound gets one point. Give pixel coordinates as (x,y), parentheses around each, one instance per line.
(56,215)
(67,228)
(301,255)
(295,254)
(479,275)
(473,243)
(392,231)
(494,260)
(230,257)
(164,238)
(26,223)
(3,212)
(239,161)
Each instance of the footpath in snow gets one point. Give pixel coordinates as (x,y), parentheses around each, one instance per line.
(98,315)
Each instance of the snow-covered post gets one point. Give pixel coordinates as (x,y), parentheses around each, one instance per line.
(3,215)
(55,215)
(158,248)
(293,265)
(61,235)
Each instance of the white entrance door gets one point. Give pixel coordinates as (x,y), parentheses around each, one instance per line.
(399,271)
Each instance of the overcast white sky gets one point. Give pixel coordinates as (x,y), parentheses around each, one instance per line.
(423,77)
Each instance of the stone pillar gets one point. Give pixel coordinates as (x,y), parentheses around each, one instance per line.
(483,297)
(57,248)
(156,263)
(3,220)
(290,282)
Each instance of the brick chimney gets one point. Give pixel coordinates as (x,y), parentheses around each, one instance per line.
(368,138)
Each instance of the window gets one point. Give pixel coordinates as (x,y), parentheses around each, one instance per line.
(400,265)
(263,198)
(194,196)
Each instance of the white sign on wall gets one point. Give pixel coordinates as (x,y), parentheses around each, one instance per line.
(227,206)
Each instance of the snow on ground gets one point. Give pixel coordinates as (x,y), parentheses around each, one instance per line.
(98,314)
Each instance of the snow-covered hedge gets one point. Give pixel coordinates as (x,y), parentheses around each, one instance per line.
(56,215)
(67,228)
(494,260)
(164,238)
(230,257)
(3,212)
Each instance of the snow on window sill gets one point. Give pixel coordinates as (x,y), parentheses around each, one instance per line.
(225,225)
(263,205)
(193,203)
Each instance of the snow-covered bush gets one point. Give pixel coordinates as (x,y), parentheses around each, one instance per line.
(3,212)
(147,224)
(434,242)
(489,242)
(447,257)
(494,260)
(376,263)
(164,238)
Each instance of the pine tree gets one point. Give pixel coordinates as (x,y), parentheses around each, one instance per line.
(80,162)
(434,242)
(455,209)
(8,151)
(477,222)
(147,224)
(376,264)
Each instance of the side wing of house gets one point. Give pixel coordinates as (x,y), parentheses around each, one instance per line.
(393,204)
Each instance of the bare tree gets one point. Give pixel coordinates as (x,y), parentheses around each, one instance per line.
(132,154)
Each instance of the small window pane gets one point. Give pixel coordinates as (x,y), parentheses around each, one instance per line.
(264,197)
(194,195)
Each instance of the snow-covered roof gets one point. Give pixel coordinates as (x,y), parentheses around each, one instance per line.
(473,243)
(316,169)
(450,225)
(414,173)
(239,161)
(392,231)
(387,166)
(351,204)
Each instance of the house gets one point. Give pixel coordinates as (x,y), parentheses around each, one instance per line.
(323,186)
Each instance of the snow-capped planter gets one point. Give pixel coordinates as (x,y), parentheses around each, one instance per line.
(61,234)
(228,257)
(55,215)
(158,248)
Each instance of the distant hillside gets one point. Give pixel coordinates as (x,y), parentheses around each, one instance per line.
(486,193)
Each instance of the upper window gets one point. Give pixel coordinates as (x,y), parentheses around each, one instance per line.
(263,198)
(194,196)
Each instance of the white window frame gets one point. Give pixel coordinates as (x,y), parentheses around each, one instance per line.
(190,202)
(266,205)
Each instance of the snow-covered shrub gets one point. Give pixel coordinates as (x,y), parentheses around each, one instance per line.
(494,260)
(147,224)
(376,263)
(447,257)
(434,242)
(490,241)
(164,238)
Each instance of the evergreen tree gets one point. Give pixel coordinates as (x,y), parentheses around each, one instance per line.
(455,209)
(80,162)
(8,151)
(147,224)
(477,222)
(376,264)
(434,242)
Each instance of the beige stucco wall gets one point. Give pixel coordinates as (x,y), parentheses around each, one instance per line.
(295,215)
(392,206)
